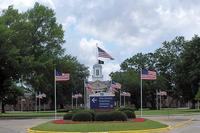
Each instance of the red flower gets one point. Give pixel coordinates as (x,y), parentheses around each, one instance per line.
(139,120)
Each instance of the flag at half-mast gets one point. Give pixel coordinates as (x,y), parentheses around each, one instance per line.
(59,76)
(102,53)
(148,75)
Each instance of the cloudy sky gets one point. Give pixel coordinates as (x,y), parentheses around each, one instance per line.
(121,27)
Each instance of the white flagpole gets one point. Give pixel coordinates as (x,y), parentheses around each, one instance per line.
(76,102)
(97,53)
(141,92)
(39,101)
(124,101)
(120,98)
(160,100)
(85,94)
(55,92)
(157,99)
(72,100)
(35,101)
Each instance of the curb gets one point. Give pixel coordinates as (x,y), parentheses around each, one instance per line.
(182,124)
(129,131)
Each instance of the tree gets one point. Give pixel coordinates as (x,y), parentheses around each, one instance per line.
(130,78)
(197,97)
(10,57)
(168,57)
(189,69)
(30,49)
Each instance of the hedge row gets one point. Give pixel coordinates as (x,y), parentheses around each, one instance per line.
(111,116)
(128,111)
(101,116)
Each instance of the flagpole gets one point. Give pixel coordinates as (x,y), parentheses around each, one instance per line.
(35,101)
(157,99)
(160,99)
(120,98)
(85,95)
(72,100)
(141,92)
(55,92)
(97,52)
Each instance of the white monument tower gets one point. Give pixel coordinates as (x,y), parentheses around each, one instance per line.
(100,97)
(97,73)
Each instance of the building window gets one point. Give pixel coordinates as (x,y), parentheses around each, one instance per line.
(97,72)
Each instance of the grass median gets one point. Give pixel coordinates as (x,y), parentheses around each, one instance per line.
(99,126)
(169,111)
(28,114)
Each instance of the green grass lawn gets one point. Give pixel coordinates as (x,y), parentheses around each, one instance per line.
(99,126)
(170,111)
(51,113)
(29,114)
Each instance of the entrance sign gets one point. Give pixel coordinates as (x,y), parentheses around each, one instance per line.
(101,102)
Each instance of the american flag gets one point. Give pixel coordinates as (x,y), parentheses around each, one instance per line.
(77,95)
(113,90)
(162,93)
(148,75)
(116,85)
(104,54)
(127,94)
(89,87)
(62,76)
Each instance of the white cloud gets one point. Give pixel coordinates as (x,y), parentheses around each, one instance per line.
(70,20)
(87,51)
(108,68)
(19,4)
(87,54)
(125,27)
(23,5)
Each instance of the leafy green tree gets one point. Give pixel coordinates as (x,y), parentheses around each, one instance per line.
(130,78)
(167,58)
(10,58)
(30,49)
(197,97)
(189,69)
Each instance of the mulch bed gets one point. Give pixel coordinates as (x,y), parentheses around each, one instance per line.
(75,122)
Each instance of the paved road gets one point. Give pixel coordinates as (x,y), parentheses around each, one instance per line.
(191,127)
(20,126)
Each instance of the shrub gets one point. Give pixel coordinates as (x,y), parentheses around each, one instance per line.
(104,116)
(76,110)
(127,108)
(63,110)
(111,116)
(92,113)
(82,116)
(130,114)
(68,116)
(118,116)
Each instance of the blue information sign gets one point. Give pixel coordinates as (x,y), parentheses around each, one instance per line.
(101,102)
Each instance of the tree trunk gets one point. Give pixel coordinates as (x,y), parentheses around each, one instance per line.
(193,104)
(2,107)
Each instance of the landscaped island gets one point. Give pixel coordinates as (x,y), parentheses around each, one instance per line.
(99,126)
(123,119)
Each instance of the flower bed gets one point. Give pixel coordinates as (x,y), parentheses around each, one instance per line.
(76,122)
(64,122)
(139,120)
